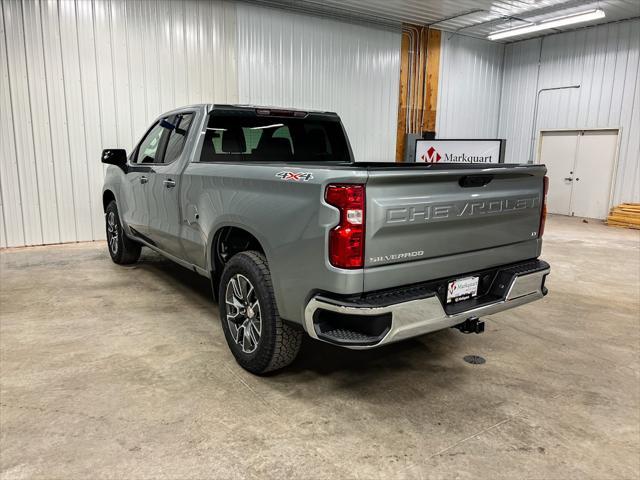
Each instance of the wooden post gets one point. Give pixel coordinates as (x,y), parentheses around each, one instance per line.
(433,71)
(418,93)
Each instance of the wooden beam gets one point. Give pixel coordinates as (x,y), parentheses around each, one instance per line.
(433,72)
(418,92)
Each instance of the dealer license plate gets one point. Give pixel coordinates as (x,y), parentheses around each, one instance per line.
(462,289)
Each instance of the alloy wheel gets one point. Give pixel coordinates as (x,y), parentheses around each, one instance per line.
(244,317)
(112,233)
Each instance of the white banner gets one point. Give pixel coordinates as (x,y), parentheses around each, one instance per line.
(458,151)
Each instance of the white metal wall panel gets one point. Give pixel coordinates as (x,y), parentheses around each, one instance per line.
(75,120)
(604,61)
(293,60)
(82,75)
(469,87)
(520,79)
(57,117)
(45,181)
(21,122)
(12,225)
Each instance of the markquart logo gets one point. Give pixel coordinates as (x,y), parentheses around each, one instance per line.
(432,156)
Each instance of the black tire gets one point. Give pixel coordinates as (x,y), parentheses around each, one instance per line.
(278,343)
(122,249)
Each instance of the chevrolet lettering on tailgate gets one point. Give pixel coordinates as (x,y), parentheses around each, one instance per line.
(442,211)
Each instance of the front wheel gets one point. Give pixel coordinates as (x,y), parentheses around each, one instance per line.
(122,249)
(258,338)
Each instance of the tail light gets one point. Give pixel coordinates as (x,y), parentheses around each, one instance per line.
(543,214)
(346,241)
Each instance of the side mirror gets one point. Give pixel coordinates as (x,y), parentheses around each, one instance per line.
(115,156)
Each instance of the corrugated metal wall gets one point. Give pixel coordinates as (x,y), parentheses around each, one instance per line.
(81,75)
(295,60)
(604,60)
(469,87)
(78,76)
(517,105)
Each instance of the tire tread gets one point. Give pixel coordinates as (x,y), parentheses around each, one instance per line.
(287,339)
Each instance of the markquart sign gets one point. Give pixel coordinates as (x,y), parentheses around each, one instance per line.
(459,151)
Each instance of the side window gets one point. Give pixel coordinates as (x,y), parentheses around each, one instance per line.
(149,149)
(178,136)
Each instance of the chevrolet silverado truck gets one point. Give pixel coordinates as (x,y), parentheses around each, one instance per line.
(296,236)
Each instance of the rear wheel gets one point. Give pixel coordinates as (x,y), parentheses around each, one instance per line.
(122,249)
(258,338)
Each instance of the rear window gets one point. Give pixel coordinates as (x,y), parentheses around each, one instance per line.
(252,138)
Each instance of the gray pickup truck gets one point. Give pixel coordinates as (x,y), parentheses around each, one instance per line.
(297,237)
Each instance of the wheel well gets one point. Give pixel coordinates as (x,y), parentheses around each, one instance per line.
(107,198)
(231,240)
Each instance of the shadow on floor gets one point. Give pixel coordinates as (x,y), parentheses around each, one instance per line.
(324,358)
(176,276)
(316,356)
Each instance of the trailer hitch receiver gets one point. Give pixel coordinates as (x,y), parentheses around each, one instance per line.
(471,325)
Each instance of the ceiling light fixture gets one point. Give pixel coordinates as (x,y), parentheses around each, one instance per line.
(552,23)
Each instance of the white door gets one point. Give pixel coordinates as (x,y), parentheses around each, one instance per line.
(558,153)
(593,173)
(580,167)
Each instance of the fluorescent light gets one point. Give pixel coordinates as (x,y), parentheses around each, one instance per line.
(553,23)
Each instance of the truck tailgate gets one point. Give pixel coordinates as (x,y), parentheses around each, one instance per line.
(424,223)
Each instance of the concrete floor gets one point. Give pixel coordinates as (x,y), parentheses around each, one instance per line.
(112,372)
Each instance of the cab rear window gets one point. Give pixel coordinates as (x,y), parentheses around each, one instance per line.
(249,137)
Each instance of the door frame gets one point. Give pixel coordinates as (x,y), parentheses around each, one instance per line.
(614,173)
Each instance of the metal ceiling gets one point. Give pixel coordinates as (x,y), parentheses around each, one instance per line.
(476,18)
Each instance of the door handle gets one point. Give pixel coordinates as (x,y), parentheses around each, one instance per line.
(169,183)
(143,179)
(568,179)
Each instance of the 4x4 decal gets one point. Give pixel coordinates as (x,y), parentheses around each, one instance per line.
(295,176)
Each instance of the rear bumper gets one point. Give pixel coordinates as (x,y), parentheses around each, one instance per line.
(376,319)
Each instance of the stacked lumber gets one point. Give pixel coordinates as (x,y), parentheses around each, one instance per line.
(625,215)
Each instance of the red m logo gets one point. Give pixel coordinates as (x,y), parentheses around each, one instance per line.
(432,156)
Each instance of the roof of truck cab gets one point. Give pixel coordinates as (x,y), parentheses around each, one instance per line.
(236,106)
